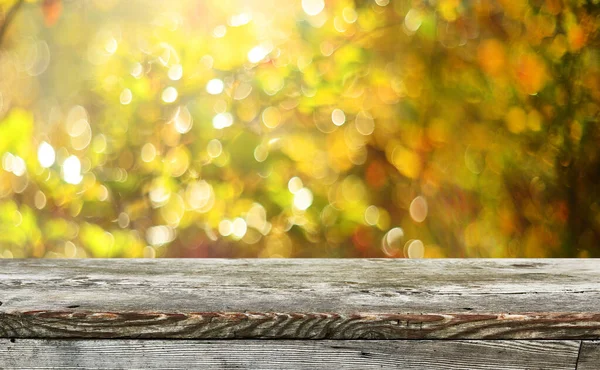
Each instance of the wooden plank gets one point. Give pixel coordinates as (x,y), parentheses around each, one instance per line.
(589,356)
(316,299)
(286,354)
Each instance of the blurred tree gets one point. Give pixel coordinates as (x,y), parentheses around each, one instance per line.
(315,128)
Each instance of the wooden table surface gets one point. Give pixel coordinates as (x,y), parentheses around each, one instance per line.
(175,313)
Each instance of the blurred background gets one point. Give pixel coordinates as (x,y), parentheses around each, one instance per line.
(312,128)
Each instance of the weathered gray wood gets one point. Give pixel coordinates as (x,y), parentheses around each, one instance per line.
(284,354)
(339,299)
(589,356)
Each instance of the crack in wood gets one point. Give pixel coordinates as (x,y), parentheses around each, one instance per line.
(578,355)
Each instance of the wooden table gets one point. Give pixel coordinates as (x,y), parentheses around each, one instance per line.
(311,313)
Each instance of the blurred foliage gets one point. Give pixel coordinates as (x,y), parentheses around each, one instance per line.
(262,128)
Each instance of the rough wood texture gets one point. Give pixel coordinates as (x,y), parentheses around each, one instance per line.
(300,299)
(256,354)
(589,356)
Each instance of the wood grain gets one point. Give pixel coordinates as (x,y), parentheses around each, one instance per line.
(589,356)
(286,354)
(300,299)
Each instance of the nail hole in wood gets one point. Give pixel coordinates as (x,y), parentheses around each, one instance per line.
(12,340)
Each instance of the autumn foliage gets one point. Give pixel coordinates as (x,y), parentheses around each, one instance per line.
(311,128)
